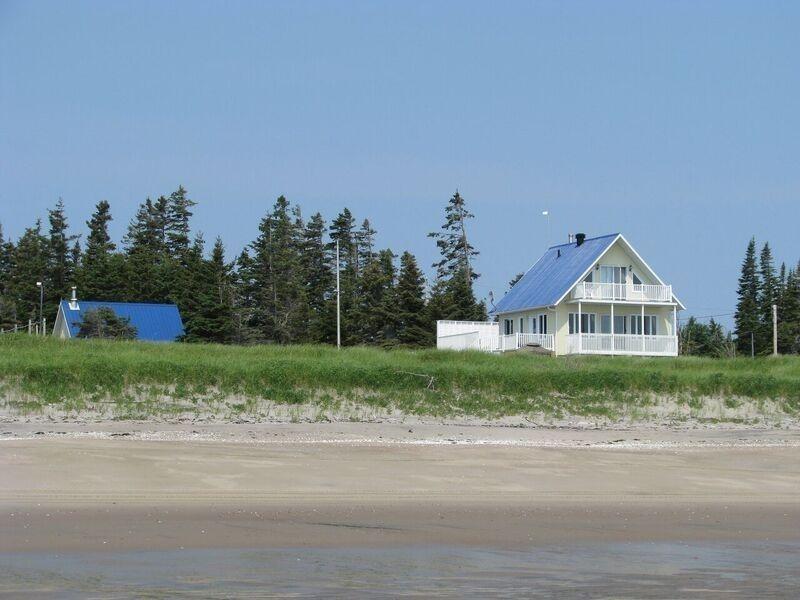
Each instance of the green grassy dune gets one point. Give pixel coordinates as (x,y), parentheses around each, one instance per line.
(139,380)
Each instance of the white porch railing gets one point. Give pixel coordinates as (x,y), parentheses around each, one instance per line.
(494,343)
(630,292)
(632,344)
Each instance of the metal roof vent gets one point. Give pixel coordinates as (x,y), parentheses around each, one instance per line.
(580,238)
(73,303)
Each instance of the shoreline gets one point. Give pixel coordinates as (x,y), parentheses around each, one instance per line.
(409,434)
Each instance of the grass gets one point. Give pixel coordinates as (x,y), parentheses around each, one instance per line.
(141,379)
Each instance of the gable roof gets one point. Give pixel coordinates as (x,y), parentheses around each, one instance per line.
(153,322)
(554,274)
(559,269)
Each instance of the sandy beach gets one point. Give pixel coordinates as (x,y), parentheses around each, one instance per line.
(123,487)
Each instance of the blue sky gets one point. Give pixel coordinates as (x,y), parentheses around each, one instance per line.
(676,123)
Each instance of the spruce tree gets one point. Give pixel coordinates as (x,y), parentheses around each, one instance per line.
(767,297)
(364,239)
(30,260)
(451,298)
(177,212)
(341,230)
(148,269)
(315,266)
(789,314)
(245,329)
(101,277)
(454,246)
(60,261)
(375,310)
(413,325)
(281,306)
(8,307)
(747,321)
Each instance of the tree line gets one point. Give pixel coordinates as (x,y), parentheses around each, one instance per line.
(761,286)
(279,289)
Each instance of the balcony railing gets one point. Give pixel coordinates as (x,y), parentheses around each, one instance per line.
(605,343)
(626,292)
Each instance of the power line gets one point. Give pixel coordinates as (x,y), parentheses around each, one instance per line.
(707,316)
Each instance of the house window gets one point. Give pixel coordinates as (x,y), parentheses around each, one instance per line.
(543,323)
(650,325)
(533,324)
(587,322)
(636,280)
(589,277)
(613,274)
(605,323)
(620,324)
(509,326)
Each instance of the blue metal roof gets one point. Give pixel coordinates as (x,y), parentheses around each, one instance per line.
(554,274)
(153,322)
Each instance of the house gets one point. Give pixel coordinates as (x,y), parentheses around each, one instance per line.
(153,322)
(589,296)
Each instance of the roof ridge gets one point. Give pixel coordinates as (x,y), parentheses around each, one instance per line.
(597,237)
(124,303)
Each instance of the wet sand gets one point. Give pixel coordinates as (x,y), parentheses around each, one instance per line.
(537,497)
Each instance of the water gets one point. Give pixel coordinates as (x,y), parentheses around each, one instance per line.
(658,570)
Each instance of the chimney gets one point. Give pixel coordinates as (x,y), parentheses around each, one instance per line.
(73,303)
(579,238)
(569,238)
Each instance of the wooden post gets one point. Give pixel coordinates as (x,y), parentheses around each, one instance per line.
(30,326)
(579,330)
(774,330)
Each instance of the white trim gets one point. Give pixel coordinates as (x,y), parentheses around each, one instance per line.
(586,272)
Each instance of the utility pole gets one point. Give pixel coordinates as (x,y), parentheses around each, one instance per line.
(774,330)
(338,302)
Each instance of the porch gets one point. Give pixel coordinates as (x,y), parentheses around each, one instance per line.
(622,344)
(486,336)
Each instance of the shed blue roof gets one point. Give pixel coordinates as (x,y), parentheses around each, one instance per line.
(153,322)
(554,274)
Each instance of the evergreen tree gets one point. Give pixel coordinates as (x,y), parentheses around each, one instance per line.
(101,277)
(315,266)
(414,327)
(341,230)
(245,293)
(205,302)
(60,261)
(8,307)
(177,211)
(281,305)
(30,265)
(789,314)
(747,319)
(451,298)
(767,297)
(364,239)
(454,246)
(148,271)
(375,310)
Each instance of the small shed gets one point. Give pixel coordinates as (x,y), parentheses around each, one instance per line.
(153,322)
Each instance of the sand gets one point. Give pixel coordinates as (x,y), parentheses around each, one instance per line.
(132,486)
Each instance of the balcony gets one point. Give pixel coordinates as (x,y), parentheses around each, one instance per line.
(493,342)
(624,344)
(622,292)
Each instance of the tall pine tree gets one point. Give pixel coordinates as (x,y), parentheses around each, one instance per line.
(747,319)
(767,297)
(101,274)
(413,325)
(60,261)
